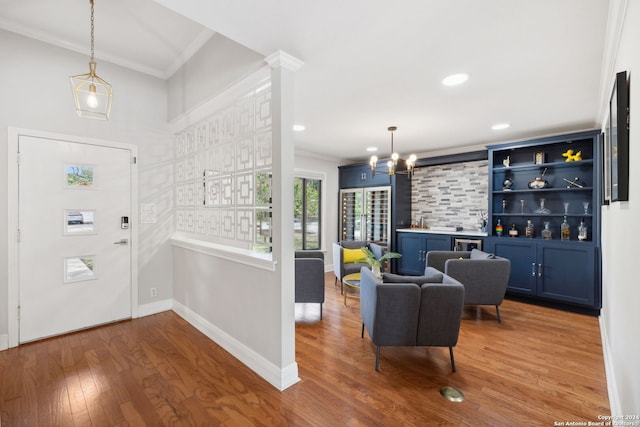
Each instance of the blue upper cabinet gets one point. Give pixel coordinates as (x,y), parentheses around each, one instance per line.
(359,176)
(549,182)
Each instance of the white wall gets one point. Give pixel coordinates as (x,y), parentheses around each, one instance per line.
(248,307)
(35,94)
(212,69)
(621,292)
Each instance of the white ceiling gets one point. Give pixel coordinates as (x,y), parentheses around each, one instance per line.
(370,64)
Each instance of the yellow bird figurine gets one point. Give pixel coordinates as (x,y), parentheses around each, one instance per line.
(572,157)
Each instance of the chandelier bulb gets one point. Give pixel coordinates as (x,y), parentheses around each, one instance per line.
(92,99)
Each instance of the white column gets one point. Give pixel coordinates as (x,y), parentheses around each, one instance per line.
(283,67)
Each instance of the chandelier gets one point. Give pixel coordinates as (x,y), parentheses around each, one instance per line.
(392,165)
(92,94)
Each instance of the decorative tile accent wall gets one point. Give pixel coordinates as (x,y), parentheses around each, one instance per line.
(223,174)
(450,195)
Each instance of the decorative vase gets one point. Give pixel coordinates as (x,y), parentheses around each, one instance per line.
(376,271)
(538,183)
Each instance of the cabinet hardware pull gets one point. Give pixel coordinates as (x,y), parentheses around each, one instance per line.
(533,269)
(539,270)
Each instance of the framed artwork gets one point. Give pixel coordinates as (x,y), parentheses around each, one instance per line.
(539,158)
(606,166)
(618,134)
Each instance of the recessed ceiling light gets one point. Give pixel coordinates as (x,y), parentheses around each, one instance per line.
(500,126)
(372,149)
(299,128)
(455,79)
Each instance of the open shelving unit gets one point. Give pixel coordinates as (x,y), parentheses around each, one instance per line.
(522,202)
(554,270)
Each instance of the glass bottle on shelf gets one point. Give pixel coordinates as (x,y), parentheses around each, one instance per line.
(546,231)
(529,231)
(499,228)
(564,229)
(582,231)
(513,231)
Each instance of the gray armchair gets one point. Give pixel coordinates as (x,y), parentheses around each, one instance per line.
(309,266)
(485,276)
(340,268)
(410,314)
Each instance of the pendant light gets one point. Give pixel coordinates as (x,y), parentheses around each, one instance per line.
(392,165)
(92,94)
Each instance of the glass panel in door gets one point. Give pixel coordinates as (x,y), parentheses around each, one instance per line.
(378,215)
(351,215)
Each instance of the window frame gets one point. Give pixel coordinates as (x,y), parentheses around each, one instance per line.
(322,177)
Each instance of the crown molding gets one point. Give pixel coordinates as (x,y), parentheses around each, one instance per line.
(101,55)
(284,60)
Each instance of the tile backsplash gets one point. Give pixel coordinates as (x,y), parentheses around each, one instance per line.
(450,195)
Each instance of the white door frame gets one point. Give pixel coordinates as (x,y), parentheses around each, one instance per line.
(13,268)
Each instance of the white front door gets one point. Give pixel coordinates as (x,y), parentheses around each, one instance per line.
(74,251)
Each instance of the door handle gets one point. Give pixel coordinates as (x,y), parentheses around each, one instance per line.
(533,269)
(122,242)
(539,270)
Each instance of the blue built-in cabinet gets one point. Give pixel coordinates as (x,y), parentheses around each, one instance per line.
(414,247)
(555,270)
(360,176)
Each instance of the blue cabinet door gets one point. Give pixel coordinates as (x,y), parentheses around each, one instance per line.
(437,242)
(567,272)
(522,254)
(359,176)
(412,248)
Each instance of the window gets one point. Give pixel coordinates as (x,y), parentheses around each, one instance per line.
(307,205)
(262,238)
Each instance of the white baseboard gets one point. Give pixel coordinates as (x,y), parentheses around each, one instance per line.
(279,378)
(612,387)
(4,342)
(155,307)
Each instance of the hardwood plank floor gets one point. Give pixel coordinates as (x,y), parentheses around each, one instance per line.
(538,367)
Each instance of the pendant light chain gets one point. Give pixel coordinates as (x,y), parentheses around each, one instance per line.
(92,95)
(392,140)
(92,30)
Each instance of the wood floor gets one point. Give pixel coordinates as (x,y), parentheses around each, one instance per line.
(538,367)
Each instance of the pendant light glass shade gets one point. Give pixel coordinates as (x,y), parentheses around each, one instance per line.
(92,94)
